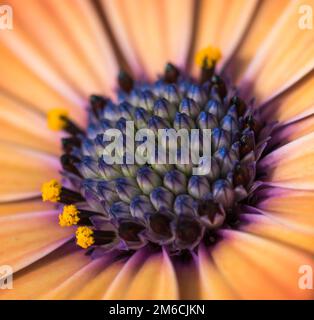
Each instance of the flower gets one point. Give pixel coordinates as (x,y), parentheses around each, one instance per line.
(254,229)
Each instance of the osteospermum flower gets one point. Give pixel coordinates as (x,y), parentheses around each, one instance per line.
(245,230)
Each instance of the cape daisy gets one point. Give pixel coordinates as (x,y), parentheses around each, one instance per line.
(243,233)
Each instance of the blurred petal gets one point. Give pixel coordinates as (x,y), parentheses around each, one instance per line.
(152,32)
(291,166)
(294,104)
(89,39)
(266,227)
(257,268)
(286,55)
(293,208)
(212,283)
(61,51)
(25,238)
(188,279)
(292,131)
(23,171)
(22,82)
(222,24)
(21,207)
(46,274)
(17,126)
(71,286)
(267,13)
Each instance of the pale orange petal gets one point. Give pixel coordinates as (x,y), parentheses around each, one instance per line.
(25,238)
(285,56)
(121,282)
(266,15)
(164,286)
(212,283)
(46,274)
(145,34)
(293,208)
(23,171)
(222,24)
(22,125)
(71,286)
(22,83)
(291,166)
(267,227)
(292,131)
(20,207)
(257,268)
(294,104)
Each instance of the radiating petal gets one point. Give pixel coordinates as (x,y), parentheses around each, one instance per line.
(291,207)
(222,24)
(152,32)
(294,104)
(188,278)
(267,227)
(22,83)
(80,22)
(25,238)
(292,131)
(212,283)
(286,55)
(74,284)
(266,15)
(257,268)
(120,284)
(291,166)
(157,267)
(46,274)
(21,207)
(22,125)
(23,171)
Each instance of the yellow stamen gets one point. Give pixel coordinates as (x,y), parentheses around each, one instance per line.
(56,120)
(207,56)
(69,216)
(84,237)
(51,191)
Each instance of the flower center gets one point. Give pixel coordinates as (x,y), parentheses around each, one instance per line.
(125,206)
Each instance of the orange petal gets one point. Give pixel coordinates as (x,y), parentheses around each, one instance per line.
(212,283)
(17,126)
(159,31)
(294,104)
(22,83)
(20,207)
(265,17)
(88,39)
(257,268)
(97,287)
(46,274)
(293,208)
(164,286)
(292,131)
(267,227)
(292,165)
(25,238)
(285,56)
(23,172)
(222,24)
(120,284)
(188,279)
(74,284)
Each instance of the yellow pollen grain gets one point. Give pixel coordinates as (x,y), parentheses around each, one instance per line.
(56,120)
(51,191)
(69,216)
(207,56)
(84,237)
